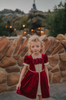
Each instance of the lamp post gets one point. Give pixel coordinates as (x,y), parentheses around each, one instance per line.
(23,28)
(10,27)
(25,33)
(39,31)
(32,31)
(42,32)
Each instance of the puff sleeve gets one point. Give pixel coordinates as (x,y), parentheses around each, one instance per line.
(26,60)
(46,59)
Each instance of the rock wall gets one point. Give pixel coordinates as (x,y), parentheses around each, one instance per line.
(12,53)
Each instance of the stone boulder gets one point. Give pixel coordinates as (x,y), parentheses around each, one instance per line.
(12,79)
(2,76)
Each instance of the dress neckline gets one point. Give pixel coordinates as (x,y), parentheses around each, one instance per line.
(36,58)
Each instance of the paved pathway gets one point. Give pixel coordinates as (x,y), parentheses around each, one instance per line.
(57,92)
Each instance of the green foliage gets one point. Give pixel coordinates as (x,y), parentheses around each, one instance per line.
(3,30)
(13,33)
(24,21)
(18,11)
(6,11)
(57,22)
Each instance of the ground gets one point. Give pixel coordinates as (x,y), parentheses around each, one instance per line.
(57,92)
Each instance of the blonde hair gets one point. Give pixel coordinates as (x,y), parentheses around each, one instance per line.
(35,38)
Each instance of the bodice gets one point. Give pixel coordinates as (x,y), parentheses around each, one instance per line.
(37,64)
(34,63)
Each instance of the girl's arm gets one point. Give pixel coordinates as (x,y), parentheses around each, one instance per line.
(22,73)
(46,70)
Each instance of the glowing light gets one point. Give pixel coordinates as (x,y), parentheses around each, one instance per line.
(39,28)
(23,25)
(14,29)
(38,31)
(32,33)
(25,32)
(42,32)
(5,26)
(32,30)
(10,26)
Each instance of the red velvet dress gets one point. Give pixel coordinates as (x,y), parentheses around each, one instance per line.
(29,84)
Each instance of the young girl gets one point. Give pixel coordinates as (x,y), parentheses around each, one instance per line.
(36,80)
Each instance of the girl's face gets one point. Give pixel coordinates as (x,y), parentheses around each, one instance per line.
(36,47)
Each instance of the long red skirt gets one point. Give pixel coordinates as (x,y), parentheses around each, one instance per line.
(29,85)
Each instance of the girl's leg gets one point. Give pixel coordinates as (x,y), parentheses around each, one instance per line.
(33,99)
(40,97)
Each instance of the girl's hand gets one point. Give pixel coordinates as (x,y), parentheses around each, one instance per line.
(49,85)
(18,85)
